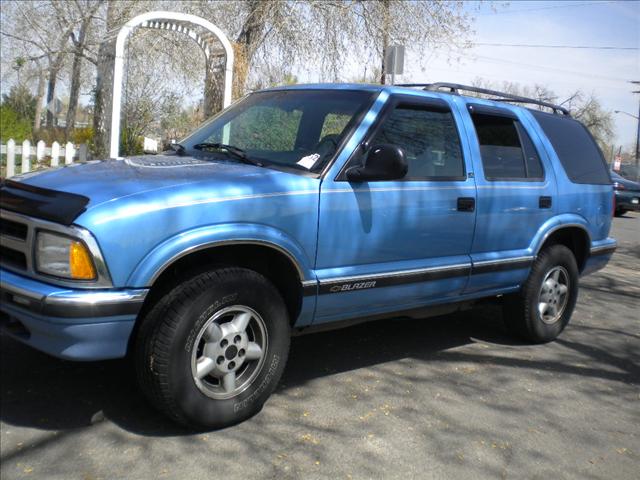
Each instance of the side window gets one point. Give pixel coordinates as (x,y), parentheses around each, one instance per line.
(531,158)
(429,139)
(578,152)
(505,147)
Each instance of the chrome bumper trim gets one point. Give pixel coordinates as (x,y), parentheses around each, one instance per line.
(75,303)
(604,249)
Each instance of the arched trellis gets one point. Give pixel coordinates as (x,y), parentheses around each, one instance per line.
(204,33)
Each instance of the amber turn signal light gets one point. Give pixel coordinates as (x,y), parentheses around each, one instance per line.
(80,264)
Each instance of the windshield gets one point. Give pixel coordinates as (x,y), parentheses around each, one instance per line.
(300,129)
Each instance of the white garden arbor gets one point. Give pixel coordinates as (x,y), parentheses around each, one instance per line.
(213,42)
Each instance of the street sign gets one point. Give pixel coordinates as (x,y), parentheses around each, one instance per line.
(616,163)
(394,61)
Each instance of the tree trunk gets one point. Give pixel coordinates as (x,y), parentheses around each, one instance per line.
(51,94)
(386,19)
(103,89)
(213,90)
(39,99)
(76,70)
(247,43)
(103,100)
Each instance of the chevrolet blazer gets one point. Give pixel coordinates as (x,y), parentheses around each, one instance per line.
(302,207)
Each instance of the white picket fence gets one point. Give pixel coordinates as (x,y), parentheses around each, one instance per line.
(56,153)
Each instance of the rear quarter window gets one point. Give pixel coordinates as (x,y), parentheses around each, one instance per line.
(578,152)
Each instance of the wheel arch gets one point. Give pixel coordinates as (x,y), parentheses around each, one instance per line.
(574,236)
(263,249)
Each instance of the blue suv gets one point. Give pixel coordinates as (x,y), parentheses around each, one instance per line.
(300,207)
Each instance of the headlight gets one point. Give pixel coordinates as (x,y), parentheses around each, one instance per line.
(63,257)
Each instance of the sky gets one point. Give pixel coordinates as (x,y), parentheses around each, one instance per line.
(603,72)
(606,73)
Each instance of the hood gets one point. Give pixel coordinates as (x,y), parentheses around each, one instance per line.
(75,188)
(104,180)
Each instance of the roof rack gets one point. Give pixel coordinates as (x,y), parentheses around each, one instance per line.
(455,88)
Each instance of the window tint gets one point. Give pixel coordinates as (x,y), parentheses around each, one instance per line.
(334,124)
(578,152)
(429,139)
(506,148)
(264,128)
(532,160)
(499,147)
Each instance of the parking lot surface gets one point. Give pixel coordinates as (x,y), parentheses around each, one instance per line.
(446,397)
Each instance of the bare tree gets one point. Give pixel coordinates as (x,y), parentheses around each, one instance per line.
(84,13)
(583,107)
(272,40)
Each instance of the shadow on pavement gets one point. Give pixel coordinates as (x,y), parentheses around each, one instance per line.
(38,391)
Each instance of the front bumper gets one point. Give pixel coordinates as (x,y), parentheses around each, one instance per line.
(72,324)
(627,200)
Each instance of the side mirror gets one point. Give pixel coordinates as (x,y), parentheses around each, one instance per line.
(383,162)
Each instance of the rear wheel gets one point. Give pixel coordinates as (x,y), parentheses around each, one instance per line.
(543,308)
(211,352)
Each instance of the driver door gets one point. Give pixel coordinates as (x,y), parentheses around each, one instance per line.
(393,245)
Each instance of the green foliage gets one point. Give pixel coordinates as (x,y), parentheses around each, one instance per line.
(50,134)
(58,134)
(21,101)
(12,126)
(82,135)
(130,143)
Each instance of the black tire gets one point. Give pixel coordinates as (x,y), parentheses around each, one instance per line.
(169,332)
(619,212)
(521,311)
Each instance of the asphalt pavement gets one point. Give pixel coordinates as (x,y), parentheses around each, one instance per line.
(446,397)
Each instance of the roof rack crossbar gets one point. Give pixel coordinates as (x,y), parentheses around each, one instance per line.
(501,96)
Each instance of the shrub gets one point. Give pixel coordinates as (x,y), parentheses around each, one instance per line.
(130,143)
(12,126)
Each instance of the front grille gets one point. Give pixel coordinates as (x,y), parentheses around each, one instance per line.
(13,229)
(13,258)
(15,242)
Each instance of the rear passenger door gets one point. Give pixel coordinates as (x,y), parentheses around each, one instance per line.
(516,195)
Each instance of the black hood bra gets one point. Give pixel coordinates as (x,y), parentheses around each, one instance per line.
(38,202)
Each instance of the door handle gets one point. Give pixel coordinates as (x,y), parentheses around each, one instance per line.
(466,204)
(544,202)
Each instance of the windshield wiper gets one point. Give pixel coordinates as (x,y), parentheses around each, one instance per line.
(178,148)
(235,152)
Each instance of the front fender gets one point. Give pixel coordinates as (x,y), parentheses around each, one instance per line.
(564,220)
(167,252)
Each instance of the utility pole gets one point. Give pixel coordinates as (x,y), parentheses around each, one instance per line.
(637,82)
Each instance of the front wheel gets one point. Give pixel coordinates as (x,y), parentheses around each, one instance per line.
(543,308)
(211,352)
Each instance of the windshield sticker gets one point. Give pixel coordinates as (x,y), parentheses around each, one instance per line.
(309,161)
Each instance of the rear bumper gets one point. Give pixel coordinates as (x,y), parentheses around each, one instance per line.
(601,252)
(70,324)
